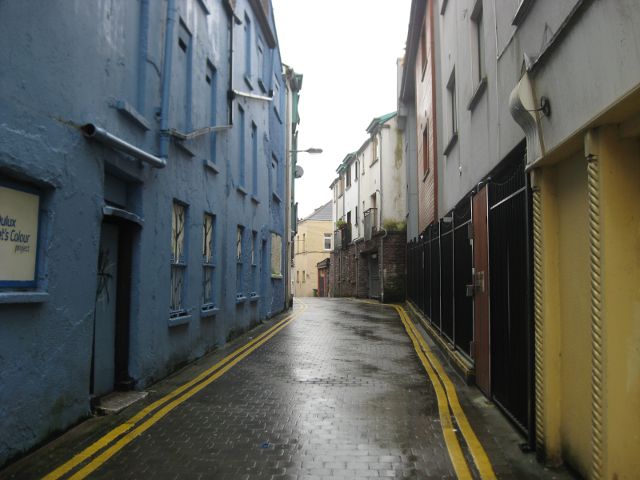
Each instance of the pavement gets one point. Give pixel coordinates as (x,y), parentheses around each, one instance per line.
(335,389)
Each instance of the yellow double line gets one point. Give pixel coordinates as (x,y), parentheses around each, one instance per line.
(114,441)
(449,405)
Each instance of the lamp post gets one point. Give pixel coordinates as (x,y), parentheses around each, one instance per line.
(291,210)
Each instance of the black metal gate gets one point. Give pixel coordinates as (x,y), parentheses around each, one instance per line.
(510,292)
(446,276)
(462,276)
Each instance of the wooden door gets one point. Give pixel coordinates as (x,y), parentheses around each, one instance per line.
(481,320)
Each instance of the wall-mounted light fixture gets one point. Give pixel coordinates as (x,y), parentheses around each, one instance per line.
(311,150)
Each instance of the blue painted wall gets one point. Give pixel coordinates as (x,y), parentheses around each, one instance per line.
(169,63)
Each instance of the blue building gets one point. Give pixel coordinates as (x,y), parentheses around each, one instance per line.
(142,197)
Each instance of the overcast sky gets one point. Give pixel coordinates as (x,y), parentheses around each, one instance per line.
(347,52)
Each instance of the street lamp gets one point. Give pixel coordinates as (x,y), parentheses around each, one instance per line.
(308,150)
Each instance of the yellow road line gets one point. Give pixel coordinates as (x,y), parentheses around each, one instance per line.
(219,368)
(453,446)
(478,453)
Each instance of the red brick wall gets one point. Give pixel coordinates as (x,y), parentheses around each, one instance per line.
(426,117)
(350,264)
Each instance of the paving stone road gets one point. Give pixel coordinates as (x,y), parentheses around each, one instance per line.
(339,393)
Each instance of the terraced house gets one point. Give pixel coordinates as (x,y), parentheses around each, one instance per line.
(524,115)
(142,153)
(369,217)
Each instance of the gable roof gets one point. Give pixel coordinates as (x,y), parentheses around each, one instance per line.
(322,213)
(379,121)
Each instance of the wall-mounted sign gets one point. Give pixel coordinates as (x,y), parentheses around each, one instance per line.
(18,237)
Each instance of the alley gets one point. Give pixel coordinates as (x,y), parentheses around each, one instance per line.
(334,389)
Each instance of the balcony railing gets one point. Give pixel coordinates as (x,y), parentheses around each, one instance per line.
(342,236)
(370,223)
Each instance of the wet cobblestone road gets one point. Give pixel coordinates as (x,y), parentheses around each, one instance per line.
(338,393)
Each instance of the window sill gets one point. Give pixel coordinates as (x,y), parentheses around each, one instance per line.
(241,191)
(182,146)
(255,199)
(248,82)
(204,6)
(183,318)
(24,297)
(278,276)
(253,297)
(211,166)
(521,13)
(208,312)
(276,197)
(477,94)
(261,85)
(451,143)
(132,114)
(240,299)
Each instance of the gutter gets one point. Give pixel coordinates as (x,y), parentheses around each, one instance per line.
(93,132)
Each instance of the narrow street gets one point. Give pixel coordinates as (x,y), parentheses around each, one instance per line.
(334,390)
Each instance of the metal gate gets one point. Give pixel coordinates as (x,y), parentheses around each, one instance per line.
(462,276)
(511,312)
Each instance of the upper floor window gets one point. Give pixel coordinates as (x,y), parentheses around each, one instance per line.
(425,149)
(478,40)
(247,51)
(423,47)
(348,175)
(453,109)
(327,241)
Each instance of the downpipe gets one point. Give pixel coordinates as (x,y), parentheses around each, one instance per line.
(166,80)
(93,132)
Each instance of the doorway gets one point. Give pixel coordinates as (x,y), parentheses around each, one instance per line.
(110,346)
(481,328)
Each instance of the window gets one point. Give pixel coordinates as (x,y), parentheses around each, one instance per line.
(239,261)
(304,242)
(276,179)
(349,218)
(355,170)
(276,96)
(425,149)
(208,267)
(297,276)
(239,233)
(247,51)
(479,51)
(254,159)
(304,276)
(276,255)
(348,174)
(377,149)
(356,223)
(423,46)
(327,241)
(212,83)
(184,69)
(260,66)
(254,262)
(452,108)
(241,150)
(178,260)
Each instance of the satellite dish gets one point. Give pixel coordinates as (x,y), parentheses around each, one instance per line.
(299,171)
